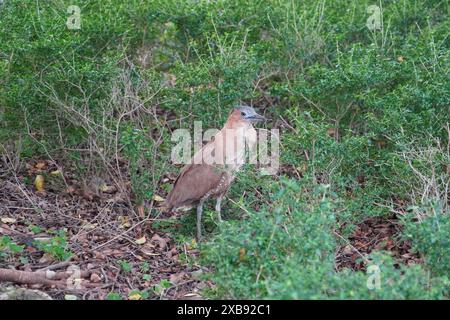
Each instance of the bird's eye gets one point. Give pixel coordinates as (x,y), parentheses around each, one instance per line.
(243,114)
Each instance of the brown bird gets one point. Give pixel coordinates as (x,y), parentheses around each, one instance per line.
(212,169)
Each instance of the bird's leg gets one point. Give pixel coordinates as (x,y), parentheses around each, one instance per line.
(218,203)
(199,221)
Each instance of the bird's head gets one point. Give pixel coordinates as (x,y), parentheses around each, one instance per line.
(246,114)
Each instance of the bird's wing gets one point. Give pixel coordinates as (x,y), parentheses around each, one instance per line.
(193,183)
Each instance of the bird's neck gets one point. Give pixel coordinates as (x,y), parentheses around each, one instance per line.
(237,124)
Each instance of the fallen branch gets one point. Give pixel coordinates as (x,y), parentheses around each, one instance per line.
(25,277)
(48,278)
(56,266)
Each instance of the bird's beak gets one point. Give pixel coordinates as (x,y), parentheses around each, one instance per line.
(256,117)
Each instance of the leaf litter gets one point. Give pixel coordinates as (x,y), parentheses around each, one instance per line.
(375,233)
(113,248)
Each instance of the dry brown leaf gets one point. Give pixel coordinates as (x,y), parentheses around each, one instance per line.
(136,296)
(162,242)
(40,165)
(141,240)
(39,183)
(107,189)
(89,226)
(192,296)
(46,258)
(71,189)
(124,221)
(175,278)
(172,254)
(140,211)
(158,198)
(347,249)
(95,278)
(8,220)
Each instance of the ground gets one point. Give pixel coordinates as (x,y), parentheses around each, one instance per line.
(120,251)
(117,247)
(378,233)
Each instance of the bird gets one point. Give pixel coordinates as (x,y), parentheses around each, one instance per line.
(213,168)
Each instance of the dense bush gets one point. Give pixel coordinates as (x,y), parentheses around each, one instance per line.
(295,230)
(430,237)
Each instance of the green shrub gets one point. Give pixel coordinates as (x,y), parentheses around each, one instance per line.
(287,251)
(9,247)
(322,282)
(430,238)
(56,246)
